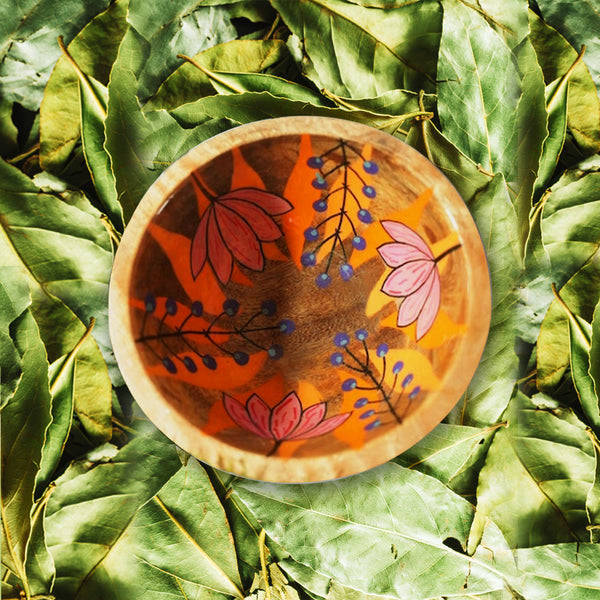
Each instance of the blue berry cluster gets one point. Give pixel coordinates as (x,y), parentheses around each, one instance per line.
(231,308)
(360,361)
(362,215)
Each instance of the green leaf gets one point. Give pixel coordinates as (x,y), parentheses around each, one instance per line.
(167,29)
(39,564)
(592,504)
(556,56)
(8,131)
(477,90)
(188,83)
(580,334)
(65,255)
(492,385)
(333,527)
(536,477)
(25,418)
(93,98)
(580,293)
(62,389)
(532,120)
(238,83)
(182,542)
(28,48)
(562,571)
(464,174)
(595,350)
(451,453)
(60,113)
(90,510)
(509,18)
(579,23)
(351,51)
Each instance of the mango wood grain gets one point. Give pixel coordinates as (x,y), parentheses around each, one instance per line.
(192,411)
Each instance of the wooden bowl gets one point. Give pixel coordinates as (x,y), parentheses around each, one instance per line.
(299,299)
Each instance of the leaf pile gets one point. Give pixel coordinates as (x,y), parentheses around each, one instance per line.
(501,500)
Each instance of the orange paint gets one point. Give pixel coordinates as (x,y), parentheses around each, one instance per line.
(300,192)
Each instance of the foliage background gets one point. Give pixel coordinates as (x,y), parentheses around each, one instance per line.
(501,500)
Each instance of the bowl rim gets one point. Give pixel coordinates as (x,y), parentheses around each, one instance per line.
(244,463)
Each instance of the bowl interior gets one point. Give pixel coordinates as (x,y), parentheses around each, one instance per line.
(304,292)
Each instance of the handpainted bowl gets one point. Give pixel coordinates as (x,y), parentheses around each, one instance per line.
(299,299)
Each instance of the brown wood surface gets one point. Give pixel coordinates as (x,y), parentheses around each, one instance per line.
(190,407)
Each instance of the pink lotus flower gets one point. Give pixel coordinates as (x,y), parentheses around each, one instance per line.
(234,226)
(285,422)
(415,277)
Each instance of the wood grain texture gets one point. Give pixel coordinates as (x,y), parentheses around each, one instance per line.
(229,344)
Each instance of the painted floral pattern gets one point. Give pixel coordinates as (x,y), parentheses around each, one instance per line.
(287,421)
(234,227)
(415,277)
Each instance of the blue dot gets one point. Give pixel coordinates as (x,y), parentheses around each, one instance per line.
(369,191)
(320,205)
(341,340)
(171,306)
(367,414)
(275,351)
(370,167)
(189,364)
(231,307)
(268,308)
(346,271)
(364,216)
(361,334)
(197,309)
(337,358)
(361,402)
(359,242)
(169,365)
(287,326)
(311,234)
(241,358)
(319,183)
(323,280)
(209,362)
(407,380)
(382,350)
(315,162)
(150,303)
(308,259)
(414,393)
(397,367)
(349,384)
(372,425)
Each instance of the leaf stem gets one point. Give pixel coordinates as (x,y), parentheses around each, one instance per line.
(212,75)
(262,552)
(83,78)
(564,80)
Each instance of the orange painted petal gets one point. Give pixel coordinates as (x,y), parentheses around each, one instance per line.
(243,174)
(286,416)
(240,239)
